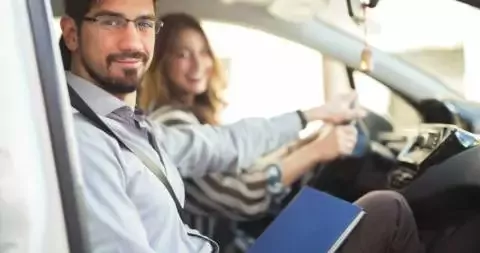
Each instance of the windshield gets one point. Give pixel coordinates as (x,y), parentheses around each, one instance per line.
(436,36)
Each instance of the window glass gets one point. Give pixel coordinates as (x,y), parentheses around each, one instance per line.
(378,98)
(436,36)
(268,75)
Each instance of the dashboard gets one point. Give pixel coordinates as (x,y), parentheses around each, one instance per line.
(434,166)
(432,145)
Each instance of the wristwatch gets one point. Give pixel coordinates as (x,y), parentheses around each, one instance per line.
(303,118)
(274,179)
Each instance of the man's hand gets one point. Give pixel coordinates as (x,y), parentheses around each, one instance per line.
(334,142)
(339,110)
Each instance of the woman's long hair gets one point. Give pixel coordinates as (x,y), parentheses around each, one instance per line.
(157,90)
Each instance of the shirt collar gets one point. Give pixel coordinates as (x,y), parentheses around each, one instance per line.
(100,101)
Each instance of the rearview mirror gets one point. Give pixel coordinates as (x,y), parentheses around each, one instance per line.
(355,8)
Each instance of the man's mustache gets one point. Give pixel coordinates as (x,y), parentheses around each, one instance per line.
(127,55)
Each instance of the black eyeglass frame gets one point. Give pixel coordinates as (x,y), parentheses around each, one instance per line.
(157,28)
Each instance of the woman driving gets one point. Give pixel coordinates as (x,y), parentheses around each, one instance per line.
(185,85)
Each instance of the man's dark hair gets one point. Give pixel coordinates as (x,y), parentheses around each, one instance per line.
(65,53)
(77,9)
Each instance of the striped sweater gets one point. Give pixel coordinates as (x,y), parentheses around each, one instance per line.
(238,197)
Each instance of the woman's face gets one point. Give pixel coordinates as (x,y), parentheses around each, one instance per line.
(190,64)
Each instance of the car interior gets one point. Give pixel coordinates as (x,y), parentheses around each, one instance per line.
(432,161)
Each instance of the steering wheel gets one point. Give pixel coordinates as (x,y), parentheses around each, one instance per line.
(353,176)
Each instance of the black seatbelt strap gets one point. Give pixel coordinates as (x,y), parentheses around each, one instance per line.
(82,107)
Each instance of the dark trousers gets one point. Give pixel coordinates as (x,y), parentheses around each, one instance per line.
(389,227)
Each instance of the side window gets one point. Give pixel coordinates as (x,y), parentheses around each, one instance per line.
(378,98)
(267,74)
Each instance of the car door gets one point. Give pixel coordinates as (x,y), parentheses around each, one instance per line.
(39,210)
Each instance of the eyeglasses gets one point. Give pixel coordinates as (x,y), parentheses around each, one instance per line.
(118,22)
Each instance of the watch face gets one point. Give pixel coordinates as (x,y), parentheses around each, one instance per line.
(274,179)
(273,172)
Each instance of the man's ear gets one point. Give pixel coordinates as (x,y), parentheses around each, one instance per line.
(70,32)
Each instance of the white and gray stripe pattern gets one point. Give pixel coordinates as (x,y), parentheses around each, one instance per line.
(237,197)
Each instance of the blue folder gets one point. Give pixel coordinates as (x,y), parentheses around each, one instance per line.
(313,222)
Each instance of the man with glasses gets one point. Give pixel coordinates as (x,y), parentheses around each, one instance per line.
(133,190)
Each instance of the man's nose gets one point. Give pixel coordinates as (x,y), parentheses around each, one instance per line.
(131,39)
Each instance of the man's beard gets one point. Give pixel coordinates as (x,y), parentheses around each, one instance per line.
(115,85)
